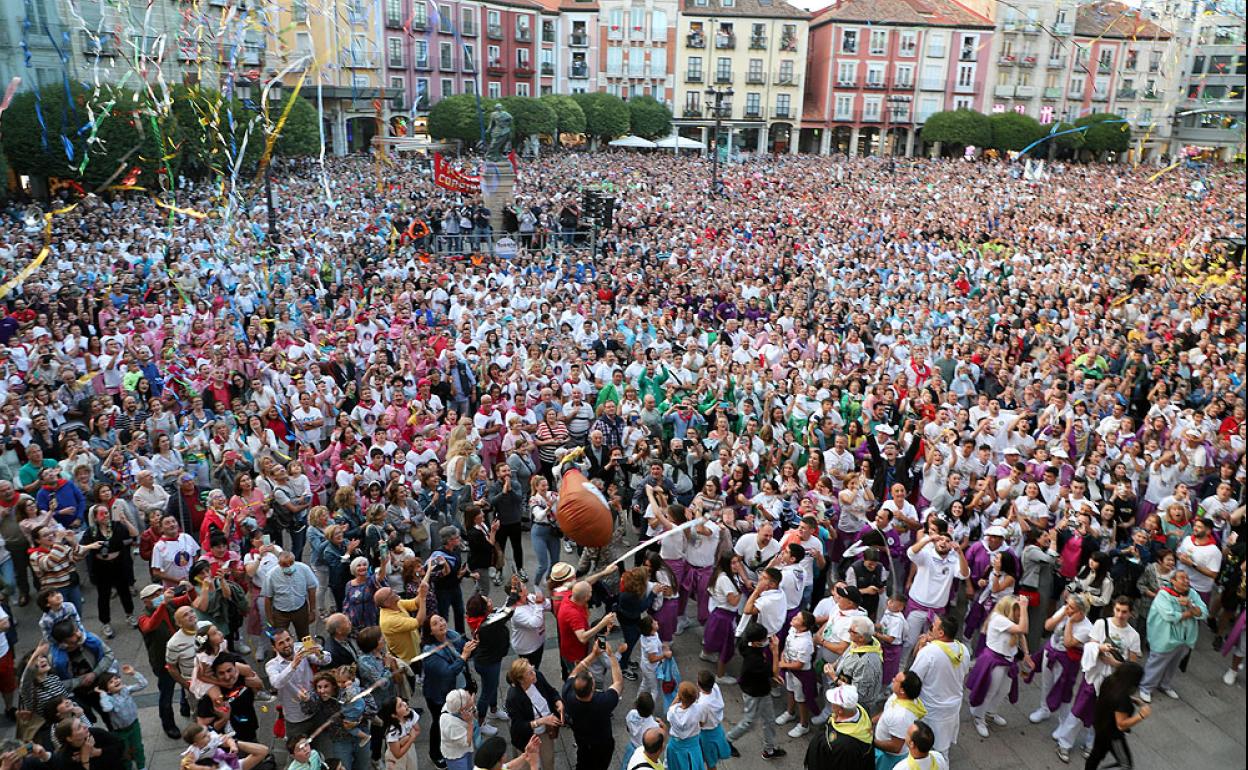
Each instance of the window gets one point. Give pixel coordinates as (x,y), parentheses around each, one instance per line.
(963,102)
(968,49)
(871,108)
(786,71)
(658,26)
(421,97)
(933,76)
(470,57)
(359,51)
(615,30)
(849,41)
(1154,61)
(694,70)
(1076,86)
(298,10)
(493,56)
(693,103)
(397,86)
(447,87)
(637,23)
(909,43)
(844,107)
(524,28)
(420,50)
(755,72)
(1220,65)
(846,73)
(446,18)
(470,87)
(495,90)
(658,62)
(303,45)
(879,42)
(723,69)
(904,75)
(394,52)
(927,107)
(394,13)
(788,38)
(1133,60)
(1105,61)
(783,102)
(936,45)
(1198,65)
(966,75)
(899,110)
(753,105)
(548,90)
(522,59)
(467,21)
(875,74)
(548,61)
(615,61)
(522,89)
(758,37)
(636,61)
(548,31)
(494,23)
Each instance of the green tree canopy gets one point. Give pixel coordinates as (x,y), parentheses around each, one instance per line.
(301,134)
(455,117)
(213,131)
(648,117)
(1106,133)
(570,118)
(1066,143)
(958,128)
(530,116)
(1013,131)
(127,132)
(606,116)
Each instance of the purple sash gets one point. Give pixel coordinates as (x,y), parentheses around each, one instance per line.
(1085,701)
(931,612)
(810,686)
(665,617)
(680,569)
(979,681)
(720,634)
(1232,638)
(892,663)
(1061,690)
(697,582)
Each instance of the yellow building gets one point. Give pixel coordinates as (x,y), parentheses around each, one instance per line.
(755,49)
(333,44)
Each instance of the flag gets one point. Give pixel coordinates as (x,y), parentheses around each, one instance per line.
(449,178)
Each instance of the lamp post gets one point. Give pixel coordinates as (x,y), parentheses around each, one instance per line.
(270,237)
(718,95)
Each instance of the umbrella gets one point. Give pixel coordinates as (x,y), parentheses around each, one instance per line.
(632,141)
(680,142)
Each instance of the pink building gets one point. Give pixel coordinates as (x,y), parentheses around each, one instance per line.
(877,69)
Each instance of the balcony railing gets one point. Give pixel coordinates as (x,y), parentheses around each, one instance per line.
(579,71)
(495,67)
(1127,93)
(548,69)
(1052,92)
(524,36)
(691,112)
(783,113)
(755,78)
(849,83)
(723,77)
(1151,94)
(494,31)
(1031,28)
(524,70)
(903,85)
(725,42)
(1025,92)
(1100,95)
(964,88)
(578,40)
(360,60)
(468,29)
(1104,67)
(394,22)
(1056,63)
(932,84)
(1027,61)
(1064,29)
(874,85)
(789,43)
(693,77)
(695,40)
(968,54)
(1004,91)
(873,118)
(758,43)
(1006,61)
(785,78)
(446,64)
(1075,93)
(422,64)
(753,112)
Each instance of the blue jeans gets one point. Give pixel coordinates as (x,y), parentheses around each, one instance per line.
(351,754)
(451,600)
(487,696)
(462,763)
(8,573)
(73,595)
(546,544)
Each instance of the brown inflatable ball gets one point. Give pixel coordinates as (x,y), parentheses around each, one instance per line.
(583,513)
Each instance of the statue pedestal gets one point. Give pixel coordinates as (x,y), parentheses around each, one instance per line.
(498,184)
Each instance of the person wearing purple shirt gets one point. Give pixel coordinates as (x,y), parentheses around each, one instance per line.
(979,555)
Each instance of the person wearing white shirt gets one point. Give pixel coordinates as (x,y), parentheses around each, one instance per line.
(767,602)
(528,626)
(938,560)
(941,663)
(173,554)
(757,548)
(993,676)
(797,663)
(920,754)
(1200,557)
(792,577)
(901,710)
(1069,629)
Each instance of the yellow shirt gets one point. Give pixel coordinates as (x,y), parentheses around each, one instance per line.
(401,630)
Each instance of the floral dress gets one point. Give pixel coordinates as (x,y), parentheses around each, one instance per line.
(358,603)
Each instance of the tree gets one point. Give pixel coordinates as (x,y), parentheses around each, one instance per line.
(648,117)
(1013,131)
(215,131)
(456,117)
(301,133)
(1106,133)
(529,116)
(606,116)
(127,132)
(1067,144)
(956,129)
(570,119)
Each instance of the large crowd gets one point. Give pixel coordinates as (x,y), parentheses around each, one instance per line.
(921,432)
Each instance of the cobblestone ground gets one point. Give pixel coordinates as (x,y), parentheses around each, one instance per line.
(1204,729)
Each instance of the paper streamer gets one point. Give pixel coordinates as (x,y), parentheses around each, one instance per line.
(424,655)
(8,93)
(26,272)
(657,538)
(178,210)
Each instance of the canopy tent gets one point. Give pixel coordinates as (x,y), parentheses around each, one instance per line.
(635,142)
(676,142)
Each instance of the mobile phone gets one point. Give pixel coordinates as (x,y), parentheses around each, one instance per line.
(267,540)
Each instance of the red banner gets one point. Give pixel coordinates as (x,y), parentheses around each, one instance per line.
(450,178)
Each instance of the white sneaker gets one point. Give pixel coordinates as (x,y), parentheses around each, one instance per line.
(1146,697)
(709,658)
(725,680)
(567,546)
(981,727)
(242,648)
(488,729)
(682,625)
(1230,676)
(498,716)
(1039,715)
(108,631)
(798,731)
(1170,692)
(133,621)
(997,719)
(785,718)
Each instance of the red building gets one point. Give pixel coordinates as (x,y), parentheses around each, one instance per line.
(509,48)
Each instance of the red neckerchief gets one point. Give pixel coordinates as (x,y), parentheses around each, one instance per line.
(53,487)
(1172,592)
(1208,541)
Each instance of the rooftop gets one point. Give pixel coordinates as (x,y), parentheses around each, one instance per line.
(1116,21)
(908,13)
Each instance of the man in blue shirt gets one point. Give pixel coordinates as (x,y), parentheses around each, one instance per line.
(290,594)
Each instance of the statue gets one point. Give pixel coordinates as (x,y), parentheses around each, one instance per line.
(498,140)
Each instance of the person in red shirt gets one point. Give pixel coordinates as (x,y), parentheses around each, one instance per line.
(575,633)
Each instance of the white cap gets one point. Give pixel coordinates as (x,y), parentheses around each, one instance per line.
(887,430)
(1059,452)
(1009,450)
(995,531)
(845,696)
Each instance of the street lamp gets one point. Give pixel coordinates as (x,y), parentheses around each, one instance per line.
(271,236)
(719,95)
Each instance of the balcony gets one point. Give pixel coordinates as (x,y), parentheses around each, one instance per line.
(753,112)
(1006,61)
(1004,92)
(846,84)
(524,36)
(578,40)
(964,88)
(1075,93)
(494,31)
(104,45)
(789,43)
(1056,63)
(723,77)
(1027,61)
(693,77)
(874,85)
(872,117)
(1025,92)
(360,60)
(725,42)
(524,70)
(903,85)
(1030,28)
(394,22)
(1052,92)
(695,40)
(579,71)
(495,67)
(691,111)
(1100,95)
(785,78)
(422,64)
(758,43)
(420,24)
(968,54)
(446,64)
(932,84)
(784,113)
(1064,29)
(548,69)
(755,78)
(1152,94)
(1104,67)
(1126,93)
(394,62)
(548,35)
(1010,25)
